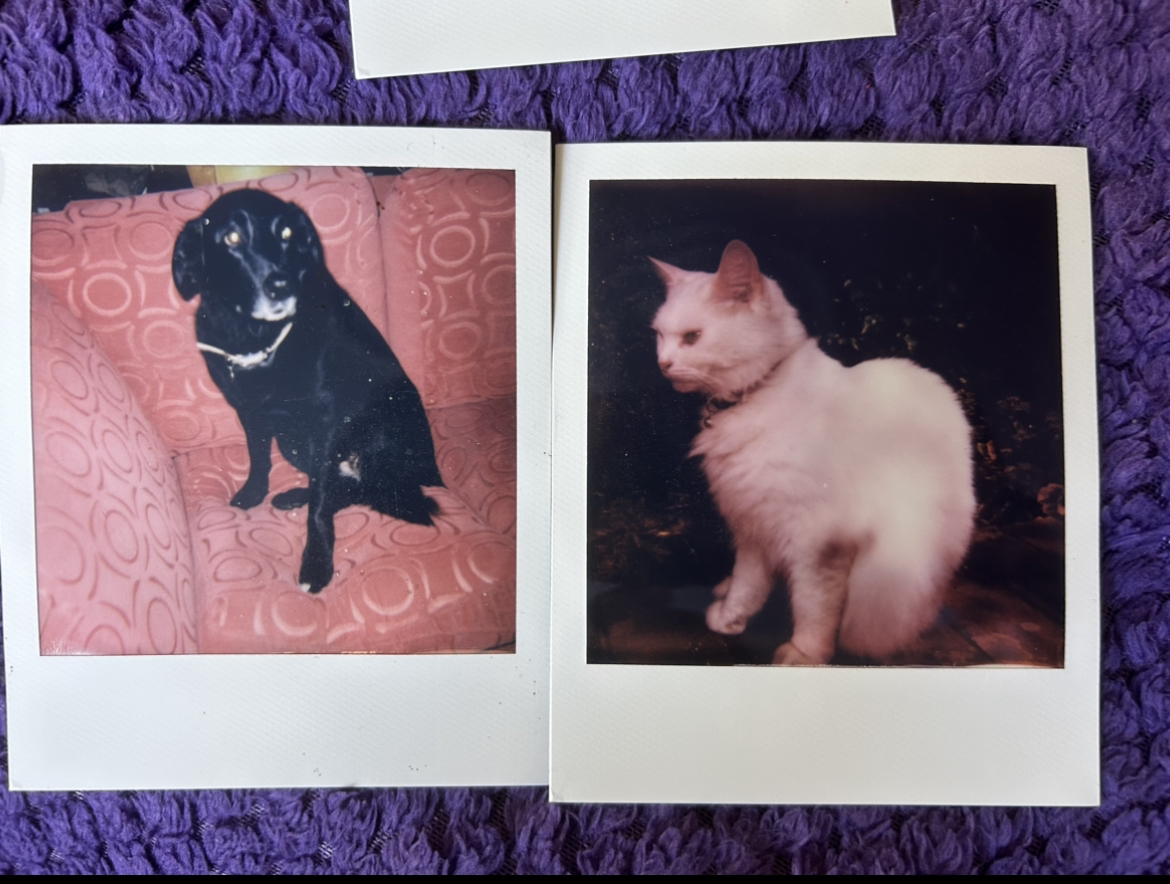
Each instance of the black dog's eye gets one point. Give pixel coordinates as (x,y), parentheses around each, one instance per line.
(233,238)
(286,233)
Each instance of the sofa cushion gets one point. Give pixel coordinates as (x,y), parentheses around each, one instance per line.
(475,445)
(114,570)
(399,588)
(455,230)
(110,261)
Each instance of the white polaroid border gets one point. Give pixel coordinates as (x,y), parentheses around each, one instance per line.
(394,39)
(824,735)
(231,721)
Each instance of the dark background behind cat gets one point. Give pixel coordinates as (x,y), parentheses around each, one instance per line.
(961,278)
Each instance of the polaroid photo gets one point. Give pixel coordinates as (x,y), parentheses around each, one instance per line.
(826,479)
(276,475)
(396,39)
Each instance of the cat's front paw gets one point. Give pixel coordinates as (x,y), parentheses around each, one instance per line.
(722,618)
(723,588)
(789,654)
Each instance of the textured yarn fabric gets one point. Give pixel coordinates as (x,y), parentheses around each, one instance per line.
(1076,72)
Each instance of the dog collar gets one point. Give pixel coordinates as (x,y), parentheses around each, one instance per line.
(247,360)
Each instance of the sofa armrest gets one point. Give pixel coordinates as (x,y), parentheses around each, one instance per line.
(449,242)
(114,571)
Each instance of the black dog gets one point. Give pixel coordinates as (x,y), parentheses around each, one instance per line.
(302,364)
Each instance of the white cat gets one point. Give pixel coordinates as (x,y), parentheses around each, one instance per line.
(854,484)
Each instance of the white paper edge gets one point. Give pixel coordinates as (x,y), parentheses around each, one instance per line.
(217,721)
(395,39)
(643,733)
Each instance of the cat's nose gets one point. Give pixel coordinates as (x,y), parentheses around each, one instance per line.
(664,365)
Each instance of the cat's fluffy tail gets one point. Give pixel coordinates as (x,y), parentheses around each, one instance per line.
(897,582)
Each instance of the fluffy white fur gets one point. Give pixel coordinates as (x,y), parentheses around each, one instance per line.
(854,484)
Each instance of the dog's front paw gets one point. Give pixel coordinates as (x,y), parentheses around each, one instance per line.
(316,572)
(291,499)
(789,654)
(722,618)
(252,494)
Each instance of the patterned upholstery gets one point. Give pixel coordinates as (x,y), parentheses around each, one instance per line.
(445,302)
(459,230)
(399,588)
(113,549)
(475,444)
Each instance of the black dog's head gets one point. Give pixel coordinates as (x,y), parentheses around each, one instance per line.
(250,253)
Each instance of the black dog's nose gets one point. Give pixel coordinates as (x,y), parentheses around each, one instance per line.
(276,284)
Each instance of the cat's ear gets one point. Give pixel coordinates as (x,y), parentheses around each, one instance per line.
(738,277)
(668,273)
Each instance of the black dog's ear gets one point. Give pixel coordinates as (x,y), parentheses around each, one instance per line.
(305,235)
(187,263)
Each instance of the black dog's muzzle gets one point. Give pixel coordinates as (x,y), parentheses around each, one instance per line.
(275,301)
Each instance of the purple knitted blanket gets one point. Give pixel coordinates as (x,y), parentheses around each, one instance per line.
(1079,72)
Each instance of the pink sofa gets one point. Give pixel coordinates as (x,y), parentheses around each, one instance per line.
(137,454)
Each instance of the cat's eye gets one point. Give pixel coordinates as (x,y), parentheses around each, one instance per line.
(233,238)
(286,233)
(690,338)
